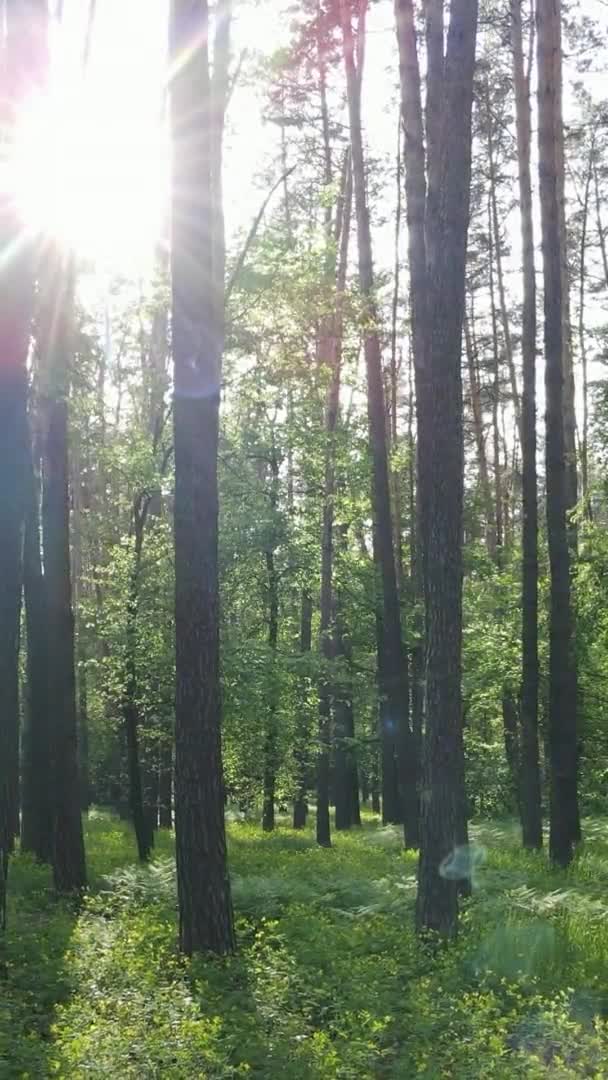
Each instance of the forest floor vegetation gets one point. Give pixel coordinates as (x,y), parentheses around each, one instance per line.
(329,980)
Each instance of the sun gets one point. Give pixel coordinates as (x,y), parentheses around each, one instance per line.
(90,159)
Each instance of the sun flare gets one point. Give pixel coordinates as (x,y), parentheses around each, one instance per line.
(90,157)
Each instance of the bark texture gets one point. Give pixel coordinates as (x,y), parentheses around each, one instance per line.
(440,214)
(205,907)
(530,787)
(396,735)
(562,662)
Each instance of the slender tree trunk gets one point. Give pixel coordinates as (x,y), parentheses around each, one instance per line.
(416,585)
(601,231)
(24,32)
(562,666)
(165,785)
(37,806)
(271,749)
(394,373)
(510,726)
(81,652)
(332,354)
(498,507)
(530,787)
(205,907)
(144,835)
(55,344)
(347,773)
(300,807)
(494,233)
(582,342)
(393,668)
(480,443)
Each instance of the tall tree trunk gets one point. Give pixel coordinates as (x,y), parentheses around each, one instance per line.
(394,372)
(23,63)
(562,664)
(37,804)
(393,668)
(144,835)
(498,506)
(346,770)
(81,652)
(530,788)
(271,748)
(416,585)
(480,443)
(582,339)
(601,231)
(300,807)
(205,907)
(331,349)
(441,277)
(165,784)
(55,343)
(494,233)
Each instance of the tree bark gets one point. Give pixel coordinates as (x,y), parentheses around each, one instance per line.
(331,351)
(392,665)
(205,907)
(55,344)
(530,787)
(165,785)
(562,664)
(346,771)
(271,749)
(300,807)
(582,339)
(444,236)
(23,64)
(37,806)
(480,443)
(498,506)
(144,834)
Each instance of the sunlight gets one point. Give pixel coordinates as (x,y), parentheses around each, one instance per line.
(90,161)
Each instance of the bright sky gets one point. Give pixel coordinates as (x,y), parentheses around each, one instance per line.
(93,165)
(93,159)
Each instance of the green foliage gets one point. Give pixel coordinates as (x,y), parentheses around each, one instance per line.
(330,980)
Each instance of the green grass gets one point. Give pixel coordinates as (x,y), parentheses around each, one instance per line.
(329,981)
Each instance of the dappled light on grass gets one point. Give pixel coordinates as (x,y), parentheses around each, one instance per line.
(330,980)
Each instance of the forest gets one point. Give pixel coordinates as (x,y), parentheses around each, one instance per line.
(303,539)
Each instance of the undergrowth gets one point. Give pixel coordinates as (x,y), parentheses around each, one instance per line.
(329,981)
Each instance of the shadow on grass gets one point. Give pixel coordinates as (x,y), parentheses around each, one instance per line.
(33,973)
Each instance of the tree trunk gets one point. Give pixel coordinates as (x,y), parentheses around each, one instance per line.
(144,835)
(271,749)
(55,332)
(23,63)
(205,907)
(331,353)
(300,806)
(165,785)
(562,665)
(582,340)
(498,506)
(346,771)
(494,233)
(439,288)
(530,787)
(510,727)
(37,806)
(392,665)
(480,443)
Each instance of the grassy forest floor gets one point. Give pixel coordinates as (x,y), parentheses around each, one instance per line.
(329,981)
